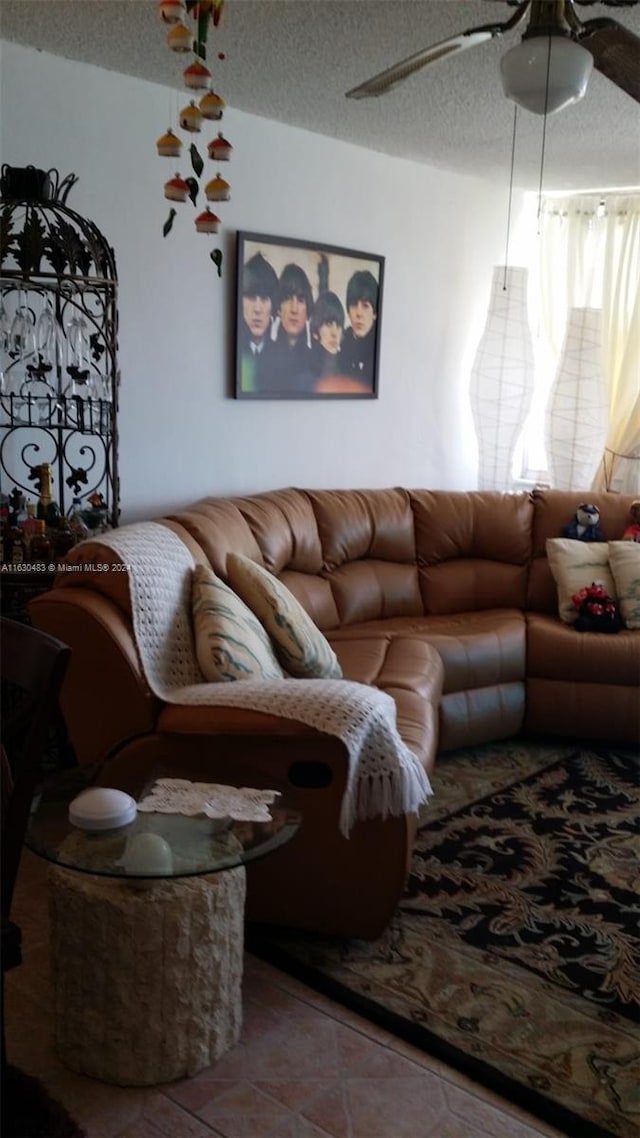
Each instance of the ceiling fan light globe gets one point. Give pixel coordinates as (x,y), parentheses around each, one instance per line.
(524,73)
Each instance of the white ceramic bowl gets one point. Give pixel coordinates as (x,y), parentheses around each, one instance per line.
(148,853)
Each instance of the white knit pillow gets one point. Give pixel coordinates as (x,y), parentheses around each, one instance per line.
(300,646)
(624,559)
(230,643)
(576,565)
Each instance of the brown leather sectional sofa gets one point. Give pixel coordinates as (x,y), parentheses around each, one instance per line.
(443,599)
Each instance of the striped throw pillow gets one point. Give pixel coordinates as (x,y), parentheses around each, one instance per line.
(300,646)
(624,560)
(230,643)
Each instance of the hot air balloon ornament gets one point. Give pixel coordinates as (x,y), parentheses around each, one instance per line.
(217,190)
(207,222)
(190,117)
(176,189)
(169,145)
(180,38)
(211,106)
(172,11)
(219,149)
(197,76)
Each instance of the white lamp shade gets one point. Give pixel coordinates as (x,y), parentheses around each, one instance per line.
(578,411)
(524,73)
(502,378)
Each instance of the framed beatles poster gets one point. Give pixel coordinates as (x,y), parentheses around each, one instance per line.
(308,320)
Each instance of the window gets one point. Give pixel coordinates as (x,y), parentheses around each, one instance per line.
(587,255)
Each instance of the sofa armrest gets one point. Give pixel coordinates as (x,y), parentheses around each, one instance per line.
(321,880)
(105,698)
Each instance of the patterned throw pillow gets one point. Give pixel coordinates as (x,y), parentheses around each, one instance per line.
(624,559)
(300,646)
(230,643)
(576,564)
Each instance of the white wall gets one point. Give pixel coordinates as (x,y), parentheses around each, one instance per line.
(182,435)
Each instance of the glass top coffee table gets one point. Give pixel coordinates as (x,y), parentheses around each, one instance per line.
(147,934)
(153,846)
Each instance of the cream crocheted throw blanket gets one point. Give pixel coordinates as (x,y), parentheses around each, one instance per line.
(385,777)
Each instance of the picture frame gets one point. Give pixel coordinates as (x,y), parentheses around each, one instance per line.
(308,319)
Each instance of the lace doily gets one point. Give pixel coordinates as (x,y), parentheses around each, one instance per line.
(384,776)
(180,796)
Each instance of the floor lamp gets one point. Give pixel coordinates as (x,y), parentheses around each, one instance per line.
(502,378)
(577,415)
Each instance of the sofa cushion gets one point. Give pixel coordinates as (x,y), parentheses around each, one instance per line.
(368,552)
(408,670)
(375,590)
(299,645)
(358,524)
(477,649)
(482,657)
(284,526)
(624,562)
(576,565)
(555,651)
(473,549)
(230,643)
(217,526)
(315,596)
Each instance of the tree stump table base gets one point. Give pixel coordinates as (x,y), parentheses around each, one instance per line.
(147,982)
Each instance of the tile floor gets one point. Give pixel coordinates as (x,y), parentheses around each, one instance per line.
(304,1068)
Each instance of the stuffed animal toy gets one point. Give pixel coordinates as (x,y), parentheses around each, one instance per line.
(632,532)
(585,526)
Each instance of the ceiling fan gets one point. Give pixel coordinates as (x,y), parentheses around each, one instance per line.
(550,67)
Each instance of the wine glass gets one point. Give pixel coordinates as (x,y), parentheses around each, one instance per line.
(49,339)
(5,340)
(5,326)
(22,339)
(102,387)
(43,375)
(78,358)
(22,353)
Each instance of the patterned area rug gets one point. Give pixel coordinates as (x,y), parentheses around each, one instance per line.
(514,955)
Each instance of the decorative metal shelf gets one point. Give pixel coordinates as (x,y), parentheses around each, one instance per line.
(75,436)
(59,374)
(72,413)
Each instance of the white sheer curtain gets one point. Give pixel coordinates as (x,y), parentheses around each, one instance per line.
(590,258)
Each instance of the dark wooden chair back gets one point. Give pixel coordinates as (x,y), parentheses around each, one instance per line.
(32,667)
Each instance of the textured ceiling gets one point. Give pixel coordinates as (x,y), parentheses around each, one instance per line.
(293,60)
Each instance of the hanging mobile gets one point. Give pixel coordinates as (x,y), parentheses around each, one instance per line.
(188,26)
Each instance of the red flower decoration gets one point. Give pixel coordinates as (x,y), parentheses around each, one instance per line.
(597,611)
(595,592)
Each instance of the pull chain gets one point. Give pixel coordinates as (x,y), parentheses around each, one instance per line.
(513,152)
(544,133)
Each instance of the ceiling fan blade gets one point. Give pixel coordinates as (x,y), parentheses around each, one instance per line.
(383,82)
(615,51)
